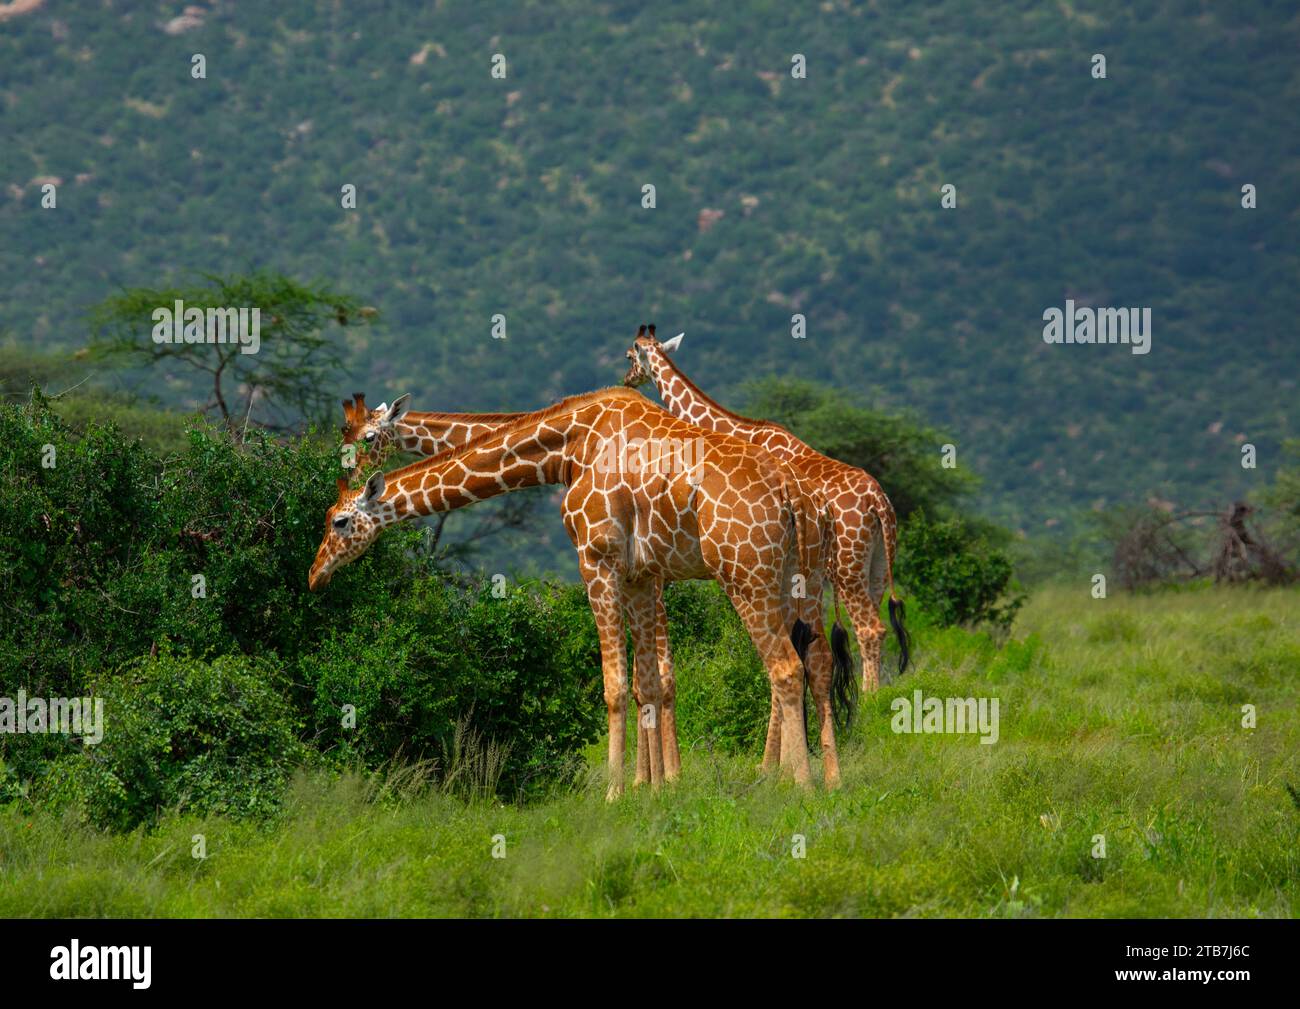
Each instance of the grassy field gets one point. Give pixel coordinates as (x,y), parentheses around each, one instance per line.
(1119,717)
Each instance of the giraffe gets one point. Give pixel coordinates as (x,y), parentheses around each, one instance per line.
(861,559)
(389,429)
(733,514)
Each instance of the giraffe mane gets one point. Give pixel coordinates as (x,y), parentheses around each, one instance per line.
(486,418)
(685,379)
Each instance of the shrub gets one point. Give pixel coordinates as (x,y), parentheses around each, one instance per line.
(523,670)
(955,573)
(98,551)
(179,733)
(723,694)
(97,559)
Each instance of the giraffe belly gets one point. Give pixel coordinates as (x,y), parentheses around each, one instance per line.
(657,551)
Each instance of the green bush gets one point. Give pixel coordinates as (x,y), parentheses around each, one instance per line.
(723,694)
(524,670)
(178,733)
(98,552)
(98,556)
(955,573)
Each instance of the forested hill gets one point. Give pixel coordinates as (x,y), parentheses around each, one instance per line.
(522,196)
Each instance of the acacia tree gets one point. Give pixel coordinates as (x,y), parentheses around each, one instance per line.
(290,378)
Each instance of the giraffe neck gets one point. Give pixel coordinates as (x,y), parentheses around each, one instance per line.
(428,434)
(683,398)
(522,453)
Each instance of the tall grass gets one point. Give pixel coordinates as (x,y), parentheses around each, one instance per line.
(1120,718)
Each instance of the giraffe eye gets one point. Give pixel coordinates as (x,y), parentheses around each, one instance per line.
(341,522)
(370,436)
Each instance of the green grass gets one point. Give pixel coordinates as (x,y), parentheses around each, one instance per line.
(1119,717)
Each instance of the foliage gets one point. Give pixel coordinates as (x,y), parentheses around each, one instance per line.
(101,549)
(901,453)
(99,556)
(723,697)
(288,374)
(524,669)
(520,196)
(183,735)
(956,572)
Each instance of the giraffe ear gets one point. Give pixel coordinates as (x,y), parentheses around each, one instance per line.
(673,344)
(398,410)
(373,491)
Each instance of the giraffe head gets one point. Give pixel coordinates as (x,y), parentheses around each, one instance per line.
(350,527)
(375,431)
(645,344)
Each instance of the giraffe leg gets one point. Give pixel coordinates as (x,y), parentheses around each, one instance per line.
(641,618)
(860,569)
(642,737)
(667,690)
(606,606)
(765,613)
(864,614)
(819,679)
(785,673)
(772,748)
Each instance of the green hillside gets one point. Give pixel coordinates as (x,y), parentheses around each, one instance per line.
(478,196)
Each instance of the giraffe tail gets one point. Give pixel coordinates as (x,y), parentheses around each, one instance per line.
(801,632)
(897,613)
(801,635)
(887,526)
(843,682)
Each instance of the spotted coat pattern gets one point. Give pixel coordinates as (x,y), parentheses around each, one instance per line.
(737,517)
(864,526)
